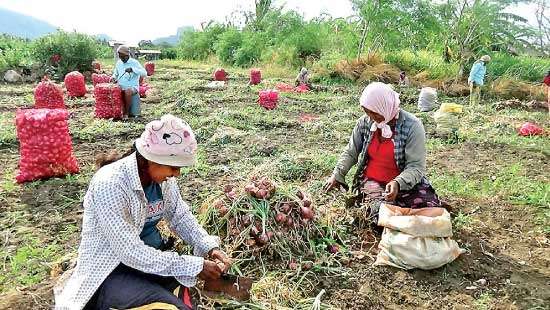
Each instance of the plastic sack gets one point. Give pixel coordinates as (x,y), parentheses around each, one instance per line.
(47,94)
(530,129)
(427,99)
(108,101)
(100,78)
(268,99)
(216,85)
(284,87)
(150,68)
(45,146)
(255,76)
(220,75)
(449,107)
(75,84)
(416,238)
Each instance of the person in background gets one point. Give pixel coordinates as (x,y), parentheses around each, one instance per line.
(126,73)
(388,145)
(547,83)
(122,261)
(404,80)
(303,78)
(476,78)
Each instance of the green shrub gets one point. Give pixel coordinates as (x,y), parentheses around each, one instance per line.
(14,52)
(198,45)
(76,51)
(169,53)
(251,49)
(227,45)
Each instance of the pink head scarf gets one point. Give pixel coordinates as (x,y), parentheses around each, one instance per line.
(382,99)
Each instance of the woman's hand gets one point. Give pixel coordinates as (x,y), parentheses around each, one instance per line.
(220,256)
(331,183)
(210,270)
(392,189)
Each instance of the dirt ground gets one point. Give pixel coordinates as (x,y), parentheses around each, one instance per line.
(503,226)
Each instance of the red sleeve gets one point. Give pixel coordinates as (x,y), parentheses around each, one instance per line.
(547,80)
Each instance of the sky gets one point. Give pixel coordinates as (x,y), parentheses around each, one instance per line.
(136,20)
(132,21)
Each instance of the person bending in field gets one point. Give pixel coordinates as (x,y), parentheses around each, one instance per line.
(547,83)
(303,78)
(388,145)
(121,263)
(127,73)
(476,78)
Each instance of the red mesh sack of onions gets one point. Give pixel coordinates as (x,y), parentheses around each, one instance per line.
(268,99)
(47,94)
(100,78)
(284,87)
(150,68)
(220,75)
(108,101)
(143,90)
(96,66)
(255,76)
(45,146)
(75,84)
(302,88)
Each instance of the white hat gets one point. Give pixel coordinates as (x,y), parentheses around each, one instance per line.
(168,141)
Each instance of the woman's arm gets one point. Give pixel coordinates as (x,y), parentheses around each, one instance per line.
(184,223)
(349,156)
(415,158)
(110,205)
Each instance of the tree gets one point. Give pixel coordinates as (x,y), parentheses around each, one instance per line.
(477,26)
(543,22)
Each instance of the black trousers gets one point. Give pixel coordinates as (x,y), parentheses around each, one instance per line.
(127,288)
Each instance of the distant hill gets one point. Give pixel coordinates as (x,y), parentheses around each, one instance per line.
(172,40)
(24,26)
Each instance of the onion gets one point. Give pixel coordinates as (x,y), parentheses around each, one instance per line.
(262,239)
(227,188)
(285,208)
(270,234)
(333,248)
(300,195)
(262,194)
(250,242)
(293,265)
(306,213)
(307,203)
(223,210)
(280,218)
(307,266)
(246,220)
(254,231)
(249,188)
(289,222)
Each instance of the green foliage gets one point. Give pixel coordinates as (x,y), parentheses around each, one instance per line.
(14,52)
(169,53)
(518,67)
(76,52)
(423,60)
(198,45)
(227,45)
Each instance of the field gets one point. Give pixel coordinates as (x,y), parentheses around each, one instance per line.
(496,183)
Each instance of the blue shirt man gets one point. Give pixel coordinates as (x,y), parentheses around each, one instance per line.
(126,73)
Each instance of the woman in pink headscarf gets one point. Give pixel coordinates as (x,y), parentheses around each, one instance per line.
(389,145)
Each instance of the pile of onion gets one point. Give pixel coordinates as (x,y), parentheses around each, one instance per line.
(260,187)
